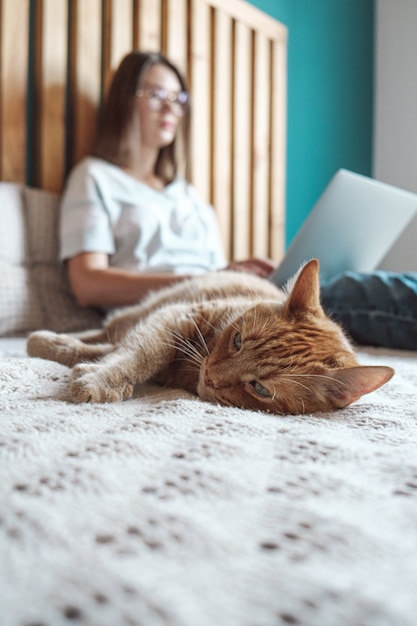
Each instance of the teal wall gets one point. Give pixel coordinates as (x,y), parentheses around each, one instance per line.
(330,94)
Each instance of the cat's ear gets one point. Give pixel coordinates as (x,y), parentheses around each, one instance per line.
(304,293)
(348,385)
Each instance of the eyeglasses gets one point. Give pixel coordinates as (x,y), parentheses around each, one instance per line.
(157,98)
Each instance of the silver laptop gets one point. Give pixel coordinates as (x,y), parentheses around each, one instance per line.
(354,225)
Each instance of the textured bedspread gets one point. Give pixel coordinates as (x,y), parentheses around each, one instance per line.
(168,511)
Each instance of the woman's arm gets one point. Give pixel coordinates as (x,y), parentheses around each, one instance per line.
(95,283)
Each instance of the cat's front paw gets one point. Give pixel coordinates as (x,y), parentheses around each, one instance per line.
(41,343)
(61,348)
(91,384)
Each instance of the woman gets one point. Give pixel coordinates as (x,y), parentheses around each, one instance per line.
(128,224)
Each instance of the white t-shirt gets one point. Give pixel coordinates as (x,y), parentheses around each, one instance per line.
(103,209)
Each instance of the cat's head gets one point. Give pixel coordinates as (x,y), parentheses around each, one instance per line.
(287,359)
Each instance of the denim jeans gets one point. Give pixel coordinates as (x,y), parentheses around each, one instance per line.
(379,308)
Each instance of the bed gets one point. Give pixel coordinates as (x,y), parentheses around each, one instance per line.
(165,510)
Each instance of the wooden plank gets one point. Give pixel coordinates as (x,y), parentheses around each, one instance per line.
(242,140)
(51,90)
(14,46)
(175,46)
(86,75)
(118,36)
(121,30)
(278,149)
(260,149)
(221,158)
(106,72)
(149,29)
(252,17)
(200,83)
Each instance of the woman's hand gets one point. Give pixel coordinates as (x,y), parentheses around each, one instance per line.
(260,267)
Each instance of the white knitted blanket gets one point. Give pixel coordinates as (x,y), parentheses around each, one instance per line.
(168,511)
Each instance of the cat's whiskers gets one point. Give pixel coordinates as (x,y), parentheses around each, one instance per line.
(231,320)
(255,319)
(201,337)
(233,325)
(186,347)
(192,357)
(195,369)
(260,331)
(295,382)
(212,326)
(193,351)
(181,344)
(334,380)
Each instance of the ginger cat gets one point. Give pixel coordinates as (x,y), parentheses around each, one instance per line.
(232,338)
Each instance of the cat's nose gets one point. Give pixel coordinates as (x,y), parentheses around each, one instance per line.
(208,381)
(213,381)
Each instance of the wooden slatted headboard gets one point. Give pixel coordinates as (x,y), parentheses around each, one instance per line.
(56,60)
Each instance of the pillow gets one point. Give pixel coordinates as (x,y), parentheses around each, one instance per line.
(12,221)
(34,289)
(60,311)
(19,308)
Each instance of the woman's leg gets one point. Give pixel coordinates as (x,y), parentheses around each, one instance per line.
(378,308)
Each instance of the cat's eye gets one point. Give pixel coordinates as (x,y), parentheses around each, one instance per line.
(237,341)
(260,389)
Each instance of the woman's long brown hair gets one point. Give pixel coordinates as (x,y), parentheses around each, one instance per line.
(117,136)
